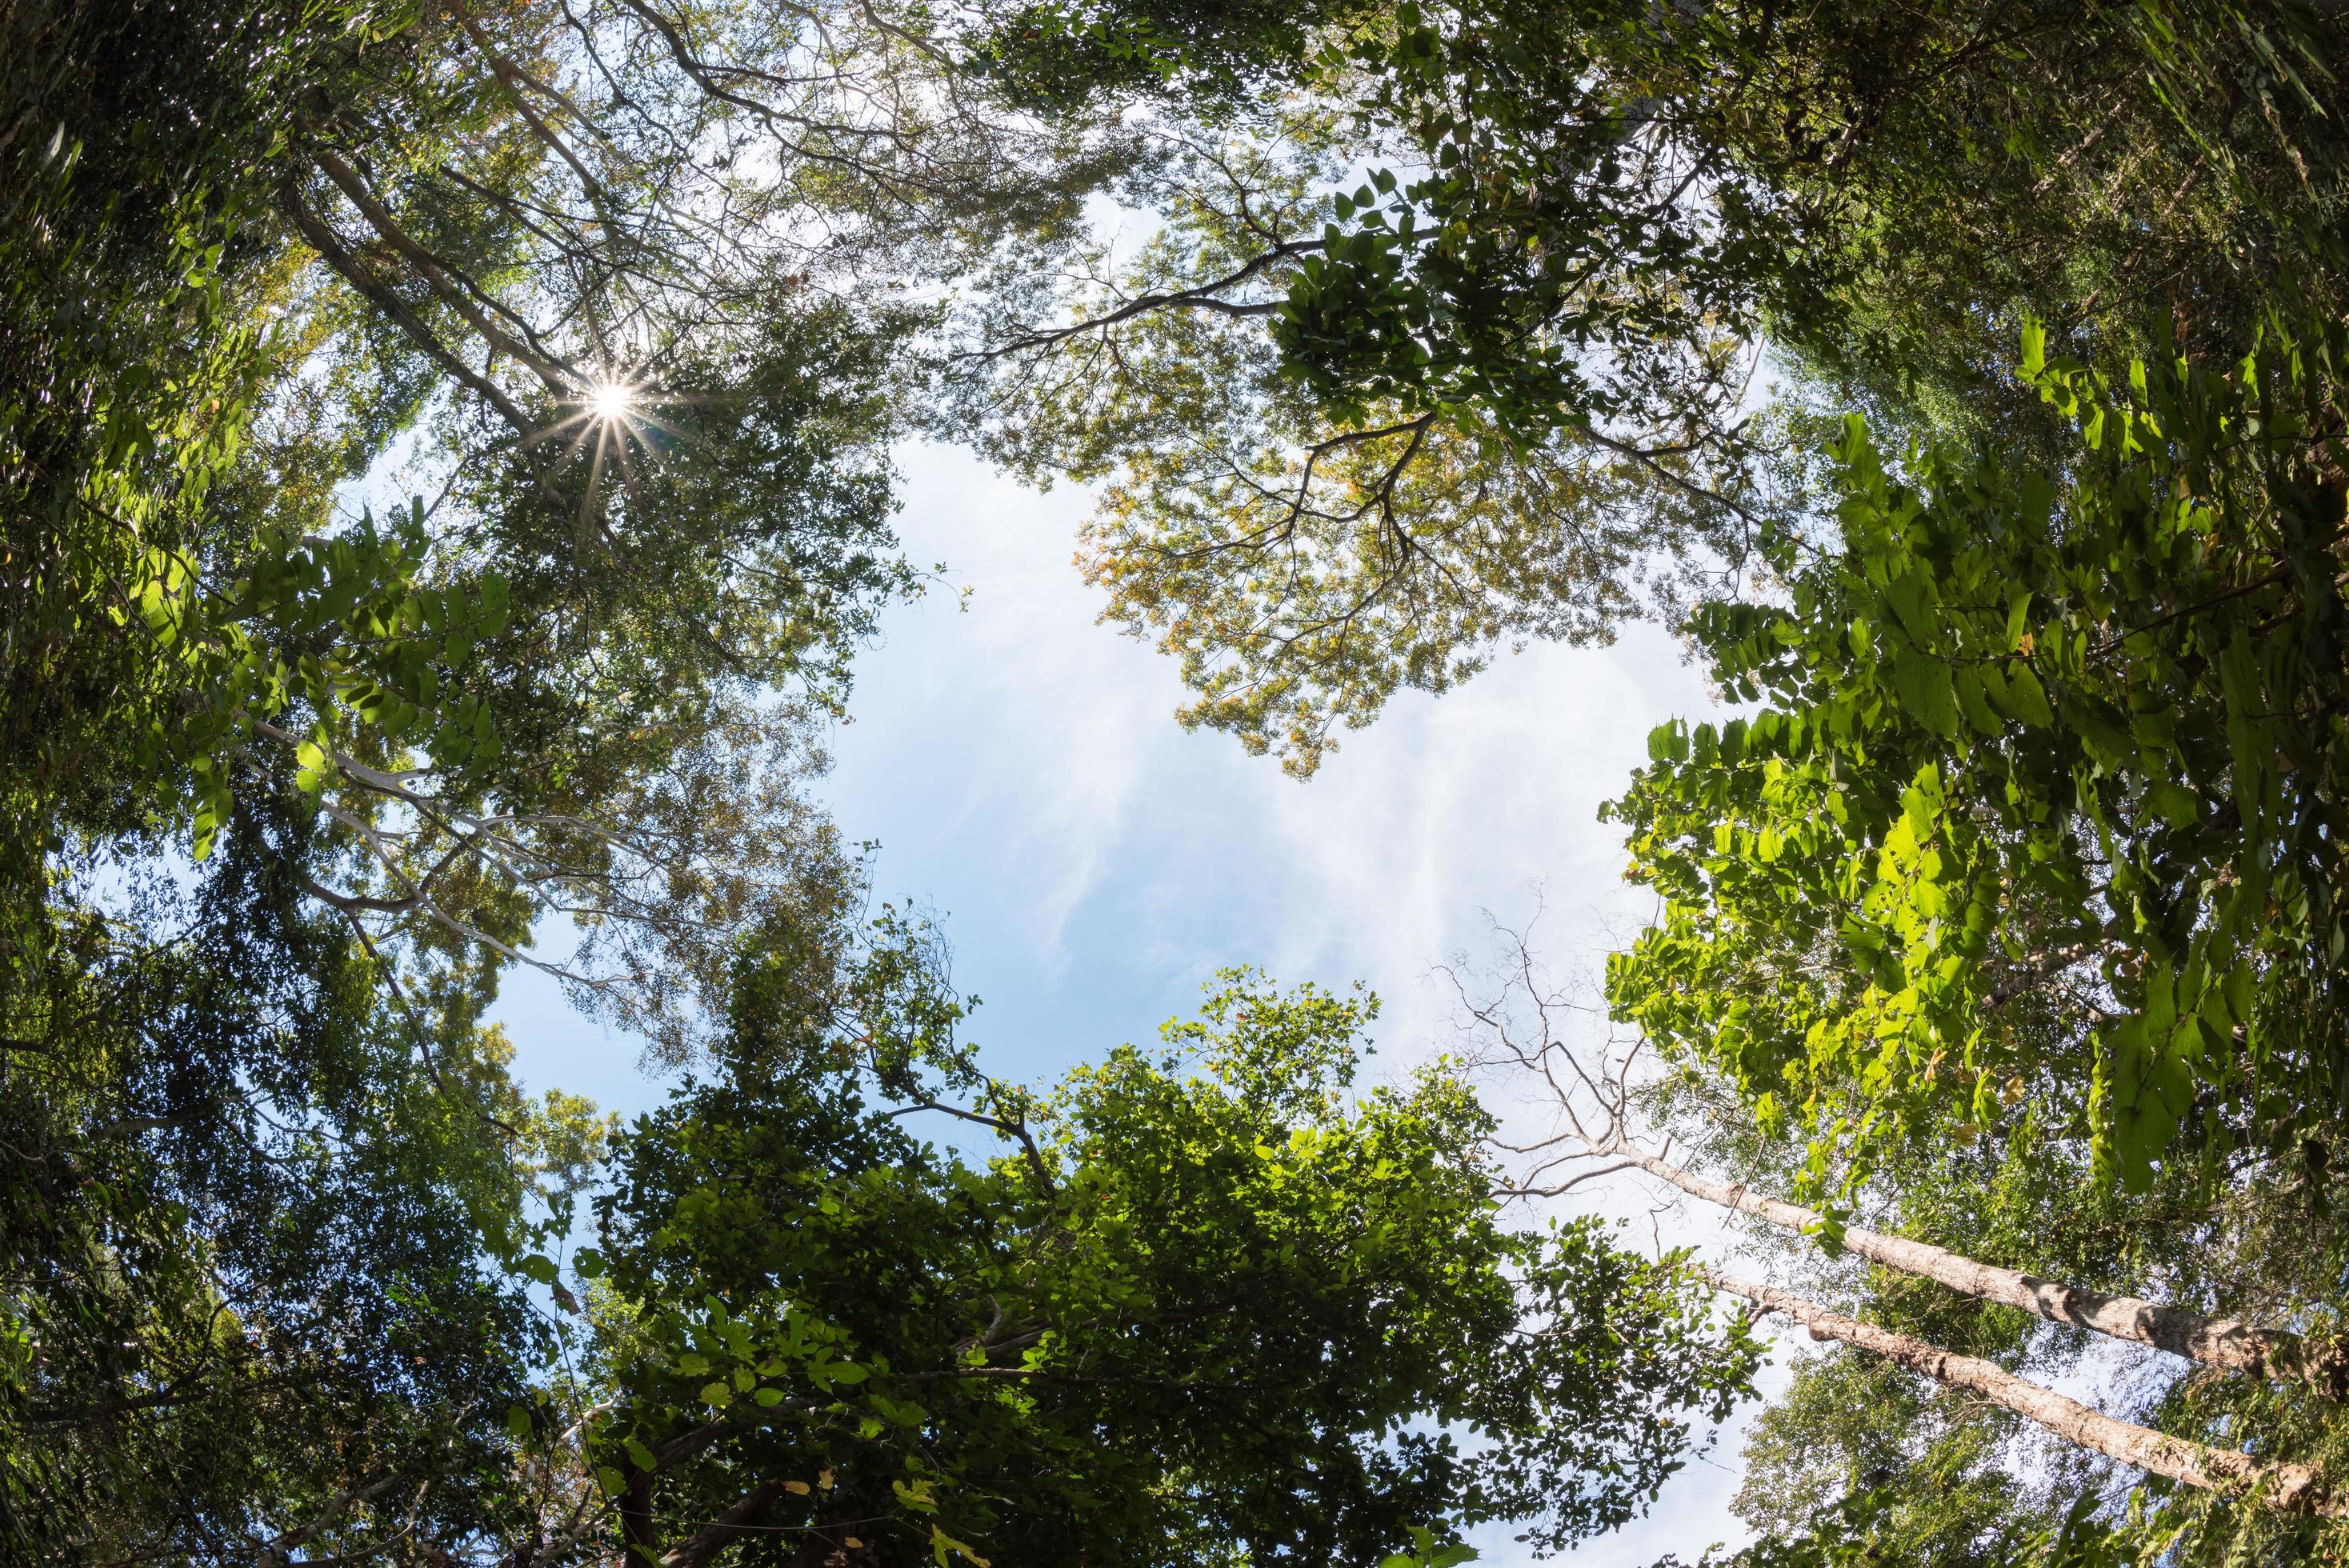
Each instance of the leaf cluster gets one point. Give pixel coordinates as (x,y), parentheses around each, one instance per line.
(2038,799)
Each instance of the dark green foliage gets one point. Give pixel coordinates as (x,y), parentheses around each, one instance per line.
(1201,54)
(1202,1304)
(239,1229)
(1549,267)
(263,1166)
(1526,252)
(1445,332)
(242,1234)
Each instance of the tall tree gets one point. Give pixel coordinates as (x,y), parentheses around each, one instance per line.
(289,784)
(2028,838)
(2250,1456)
(1195,1304)
(2290,1488)
(2040,795)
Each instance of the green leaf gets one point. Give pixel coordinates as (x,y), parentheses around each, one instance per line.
(941,1543)
(2174,803)
(2024,699)
(1926,691)
(2242,995)
(1912,596)
(1973,702)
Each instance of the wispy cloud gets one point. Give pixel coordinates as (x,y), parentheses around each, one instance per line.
(1020,765)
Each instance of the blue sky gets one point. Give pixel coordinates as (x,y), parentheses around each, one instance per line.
(1094,863)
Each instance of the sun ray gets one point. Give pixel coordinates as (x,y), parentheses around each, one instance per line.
(645,417)
(620,450)
(594,487)
(548,432)
(578,444)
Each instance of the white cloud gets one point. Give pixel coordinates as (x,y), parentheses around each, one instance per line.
(1021,766)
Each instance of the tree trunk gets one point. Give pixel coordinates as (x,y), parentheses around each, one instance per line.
(636,1528)
(723,1530)
(2215,1341)
(2289,1487)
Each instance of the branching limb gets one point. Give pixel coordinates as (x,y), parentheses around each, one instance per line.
(321,239)
(1199,296)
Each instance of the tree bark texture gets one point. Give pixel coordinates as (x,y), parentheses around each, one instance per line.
(2223,1342)
(2288,1487)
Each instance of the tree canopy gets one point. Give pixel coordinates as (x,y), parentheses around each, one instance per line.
(446,478)
(1202,1304)
(1495,279)
(2039,794)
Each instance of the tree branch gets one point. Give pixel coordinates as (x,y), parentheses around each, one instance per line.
(2223,1342)
(321,239)
(2290,1488)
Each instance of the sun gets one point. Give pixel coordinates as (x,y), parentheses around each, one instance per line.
(611,420)
(612,400)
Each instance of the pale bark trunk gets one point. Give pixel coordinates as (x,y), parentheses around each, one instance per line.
(2289,1487)
(2224,1342)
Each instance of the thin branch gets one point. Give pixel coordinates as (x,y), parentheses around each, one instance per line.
(1198,296)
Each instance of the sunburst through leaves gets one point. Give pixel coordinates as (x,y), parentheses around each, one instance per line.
(612,415)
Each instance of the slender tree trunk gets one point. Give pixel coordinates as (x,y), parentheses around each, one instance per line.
(2224,1342)
(2289,1487)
